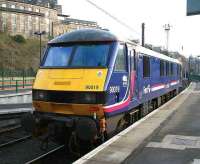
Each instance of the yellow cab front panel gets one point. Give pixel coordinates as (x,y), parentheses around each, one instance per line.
(70,81)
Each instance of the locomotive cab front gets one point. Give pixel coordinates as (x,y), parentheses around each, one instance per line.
(71,79)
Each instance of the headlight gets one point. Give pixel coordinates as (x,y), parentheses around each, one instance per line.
(90,98)
(39,95)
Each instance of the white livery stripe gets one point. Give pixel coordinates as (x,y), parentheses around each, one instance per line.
(157,88)
(174,82)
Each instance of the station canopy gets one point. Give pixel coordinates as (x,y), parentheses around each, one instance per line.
(193,7)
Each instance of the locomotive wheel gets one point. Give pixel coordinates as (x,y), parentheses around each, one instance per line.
(73,145)
(78,147)
(122,124)
(145,109)
(154,104)
(28,122)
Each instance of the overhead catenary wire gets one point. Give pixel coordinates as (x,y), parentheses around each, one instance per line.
(113,17)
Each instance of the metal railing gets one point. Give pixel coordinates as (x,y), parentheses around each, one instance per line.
(16,84)
(15,80)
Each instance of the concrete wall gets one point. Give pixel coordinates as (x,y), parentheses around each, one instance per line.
(16,98)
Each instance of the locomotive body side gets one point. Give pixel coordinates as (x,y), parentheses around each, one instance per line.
(143,85)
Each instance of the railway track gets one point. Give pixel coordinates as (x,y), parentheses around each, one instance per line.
(13,137)
(8,129)
(49,154)
(15,141)
(9,133)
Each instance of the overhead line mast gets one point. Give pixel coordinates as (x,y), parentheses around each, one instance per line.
(167,28)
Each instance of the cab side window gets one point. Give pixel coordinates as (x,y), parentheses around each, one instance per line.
(133,60)
(120,63)
(146,66)
(167,68)
(171,69)
(162,65)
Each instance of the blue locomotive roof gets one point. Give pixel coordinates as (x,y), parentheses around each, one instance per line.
(84,35)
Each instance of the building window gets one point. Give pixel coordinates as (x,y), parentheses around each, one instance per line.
(21,7)
(171,69)
(47,25)
(167,68)
(3,5)
(4,21)
(37,10)
(120,63)
(146,66)
(14,22)
(162,66)
(37,24)
(21,20)
(47,14)
(30,25)
(13,6)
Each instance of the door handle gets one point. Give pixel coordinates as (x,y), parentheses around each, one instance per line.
(117,96)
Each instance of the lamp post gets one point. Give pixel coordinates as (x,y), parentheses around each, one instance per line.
(40,35)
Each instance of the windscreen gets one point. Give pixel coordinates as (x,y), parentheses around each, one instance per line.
(79,55)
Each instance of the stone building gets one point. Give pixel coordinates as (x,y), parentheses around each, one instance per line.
(44,3)
(18,17)
(25,17)
(70,24)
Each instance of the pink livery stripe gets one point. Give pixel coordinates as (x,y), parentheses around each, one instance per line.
(132,83)
(117,106)
(123,103)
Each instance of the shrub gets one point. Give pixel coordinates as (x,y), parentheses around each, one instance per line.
(19,39)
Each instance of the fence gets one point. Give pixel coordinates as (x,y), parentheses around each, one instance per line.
(17,73)
(16,80)
(16,84)
(194,77)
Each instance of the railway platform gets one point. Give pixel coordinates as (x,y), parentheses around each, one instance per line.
(170,134)
(8,92)
(15,108)
(12,103)
(12,99)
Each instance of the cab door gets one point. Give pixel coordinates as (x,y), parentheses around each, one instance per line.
(118,85)
(133,74)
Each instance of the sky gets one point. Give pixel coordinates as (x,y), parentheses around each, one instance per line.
(184,35)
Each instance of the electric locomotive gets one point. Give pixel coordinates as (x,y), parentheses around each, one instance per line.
(91,84)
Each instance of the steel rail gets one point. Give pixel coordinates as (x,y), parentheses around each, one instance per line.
(46,154)
(8,129)
(15,141)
